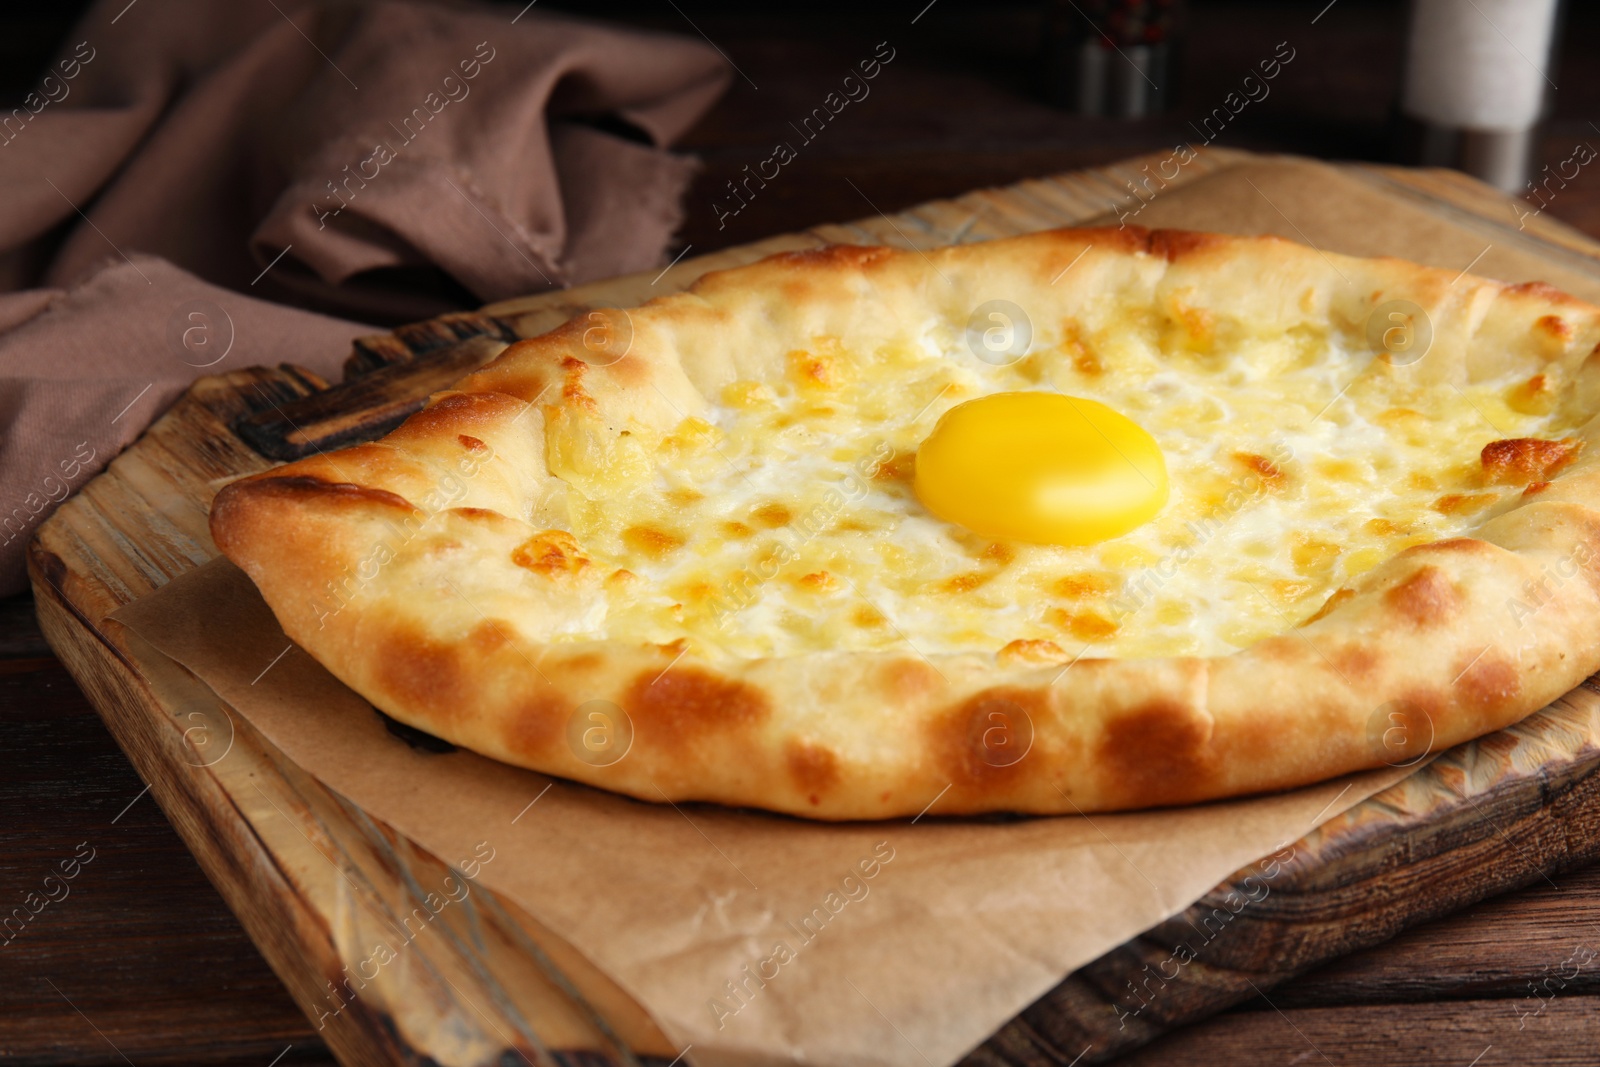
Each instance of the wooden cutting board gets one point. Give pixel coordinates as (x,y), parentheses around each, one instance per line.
(307,872)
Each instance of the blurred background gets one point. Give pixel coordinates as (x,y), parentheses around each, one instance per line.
(967,100)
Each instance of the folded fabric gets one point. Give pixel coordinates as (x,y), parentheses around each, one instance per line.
(404,157)
(382,160)
(83,372)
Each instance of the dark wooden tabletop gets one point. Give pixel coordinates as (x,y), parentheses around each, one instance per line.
(141,963)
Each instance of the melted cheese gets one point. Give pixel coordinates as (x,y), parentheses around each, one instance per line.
(785,522)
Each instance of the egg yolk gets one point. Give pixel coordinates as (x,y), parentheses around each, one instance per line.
(1041,467)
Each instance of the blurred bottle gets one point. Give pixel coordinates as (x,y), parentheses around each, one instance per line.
(1109,57)
(1477,81)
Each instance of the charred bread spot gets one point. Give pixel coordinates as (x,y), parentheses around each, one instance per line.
(553,554)
(1425,598)
(909,681)
(1488,684)
(1355,661)
(1159,753)
(1403,730)
(490,635)
(1124,239)
(1543,292)
(984,742)
(583,669)
(1254,738)
(537,726)
(1527,459)
(672,708)
(813,768)
(1173,245)
(470,443)
(439,683)
(1553,328)
(425,676)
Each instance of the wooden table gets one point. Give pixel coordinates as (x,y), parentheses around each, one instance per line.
(141,962)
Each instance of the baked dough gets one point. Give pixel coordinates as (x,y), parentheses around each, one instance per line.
(673,552)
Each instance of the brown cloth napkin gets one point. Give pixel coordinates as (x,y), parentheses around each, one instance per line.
(83,372)
(380,143)
(376,160)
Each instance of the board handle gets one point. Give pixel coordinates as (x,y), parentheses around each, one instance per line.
(417,339)
(364,407)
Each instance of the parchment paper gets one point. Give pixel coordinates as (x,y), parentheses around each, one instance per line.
(961,923)
(1366,215)
(906,944)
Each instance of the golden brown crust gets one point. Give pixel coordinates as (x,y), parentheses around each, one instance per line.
(430,570)
(1523,460)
